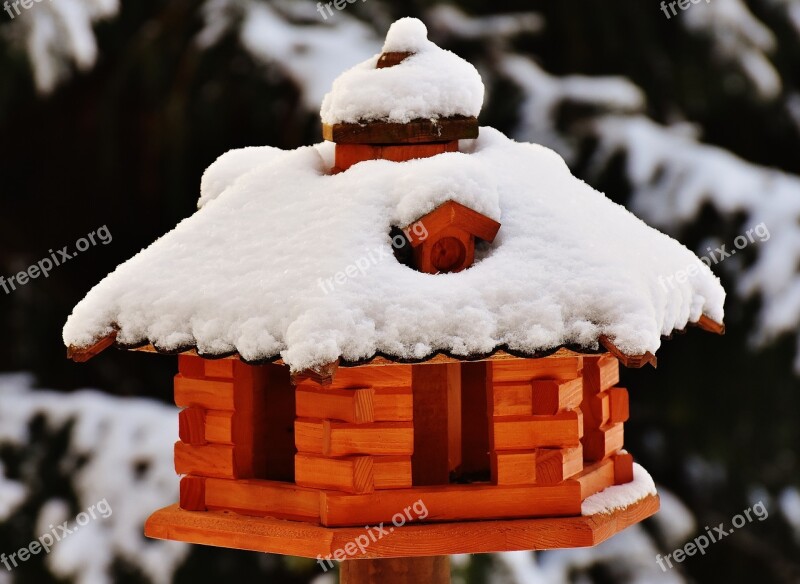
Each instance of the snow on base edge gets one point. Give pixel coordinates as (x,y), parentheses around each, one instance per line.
(620,496)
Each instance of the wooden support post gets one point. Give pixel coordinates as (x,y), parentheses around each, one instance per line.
(431,570)
(437,423)
(475,461)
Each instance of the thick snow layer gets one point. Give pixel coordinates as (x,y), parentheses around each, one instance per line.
(291,260)
(621,496)
(407,35)
(432,83)
(230,166)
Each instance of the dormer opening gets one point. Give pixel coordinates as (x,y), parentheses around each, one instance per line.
(448,255)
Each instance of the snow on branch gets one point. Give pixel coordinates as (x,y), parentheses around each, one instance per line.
(291,37)
(739,37)
(448,19)
(56,35)
(673,176)
(122,442)
(544,93)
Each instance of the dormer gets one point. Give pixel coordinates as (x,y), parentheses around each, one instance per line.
(446,243)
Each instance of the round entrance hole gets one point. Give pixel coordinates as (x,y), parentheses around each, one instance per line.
(448,254)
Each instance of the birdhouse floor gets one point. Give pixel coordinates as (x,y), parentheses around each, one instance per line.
(264,534)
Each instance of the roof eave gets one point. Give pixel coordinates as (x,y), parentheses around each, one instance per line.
(81,355)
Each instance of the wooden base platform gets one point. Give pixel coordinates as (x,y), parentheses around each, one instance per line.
(264,534)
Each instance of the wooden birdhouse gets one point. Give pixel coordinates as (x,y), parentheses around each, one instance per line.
(453,406)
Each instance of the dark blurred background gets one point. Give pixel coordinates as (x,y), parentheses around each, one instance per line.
(110,112)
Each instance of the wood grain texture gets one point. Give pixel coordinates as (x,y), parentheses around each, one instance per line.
(210,394)
(343,439)
(210,460)
(527,370)
(514,467)
(219,427)
(514,398)
(350,474)
(527,432)
(600,373)
(619,407)
(596,478)
(261,498)
(475,419)
(193,493)
(346,405)
(190,365)
(295,538)
(437,423)
(556,465)
(348,155)
(219,368)
(600,443)
(392,375)
(428,570)
(247,424)
(552,396)
(598,407)
(83,354)
(453,502)
(623,468)
(392,472)
(414,132)
(357,405)
(273,419)
(192,426)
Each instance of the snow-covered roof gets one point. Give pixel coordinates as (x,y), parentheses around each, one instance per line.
(430,84)
(286,260)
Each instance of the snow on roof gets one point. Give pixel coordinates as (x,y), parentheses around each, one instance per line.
(289,260)
(433,83)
